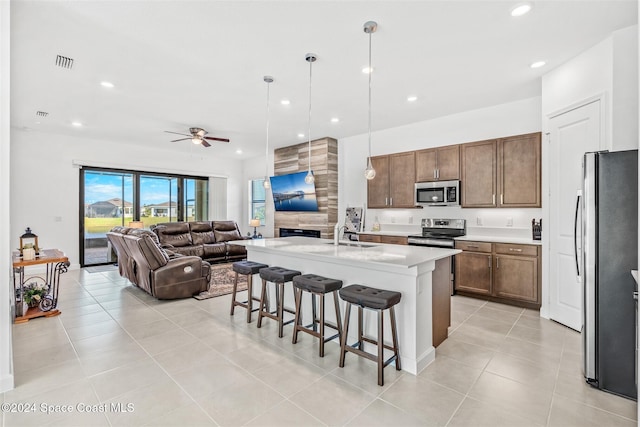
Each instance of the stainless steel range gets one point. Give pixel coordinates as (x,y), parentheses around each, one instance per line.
(440,233)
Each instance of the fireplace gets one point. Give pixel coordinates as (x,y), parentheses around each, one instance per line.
(287,232)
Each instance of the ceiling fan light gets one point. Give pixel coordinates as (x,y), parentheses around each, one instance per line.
(196,140)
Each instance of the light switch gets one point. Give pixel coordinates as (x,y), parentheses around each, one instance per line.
(57,219)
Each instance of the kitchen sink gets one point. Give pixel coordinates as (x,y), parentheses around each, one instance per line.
(354,244)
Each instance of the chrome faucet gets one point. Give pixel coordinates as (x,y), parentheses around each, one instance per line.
(336,233)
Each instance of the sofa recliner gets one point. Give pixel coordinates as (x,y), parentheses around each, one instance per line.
(210,240)
(163,275)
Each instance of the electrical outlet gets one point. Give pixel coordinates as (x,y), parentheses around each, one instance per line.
(410,220)
(509,222)
(478,220)
(57,219)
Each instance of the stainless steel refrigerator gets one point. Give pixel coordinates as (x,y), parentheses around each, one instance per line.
(609,253)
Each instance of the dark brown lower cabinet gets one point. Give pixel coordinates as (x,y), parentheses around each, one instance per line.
(507,273)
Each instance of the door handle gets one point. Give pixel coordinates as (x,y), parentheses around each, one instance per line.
(575,235)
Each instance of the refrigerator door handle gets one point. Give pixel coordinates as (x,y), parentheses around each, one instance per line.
(575,233)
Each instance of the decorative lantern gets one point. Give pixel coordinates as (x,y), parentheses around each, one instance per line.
(29,241)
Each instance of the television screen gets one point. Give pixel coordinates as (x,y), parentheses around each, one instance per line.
(291,193)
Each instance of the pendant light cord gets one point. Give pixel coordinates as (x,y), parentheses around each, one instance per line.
(266,154)
(370,72)
(310,75)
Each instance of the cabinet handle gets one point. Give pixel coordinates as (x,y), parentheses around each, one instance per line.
(515,250)
(473,246)
(502,199)
(438,173)
(435,173)
(390,201)
(386,201)
(497,263)
(493,199)
(489,258)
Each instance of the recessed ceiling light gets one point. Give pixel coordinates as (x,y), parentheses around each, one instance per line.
(538,64)
(367,70)
(238,151)
(412,98)
(335,120)
(285,102)
(521,9)
(301,135)
(107,84)
(76,124)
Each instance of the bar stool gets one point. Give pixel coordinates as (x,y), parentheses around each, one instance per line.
(316,286)
(246,268)
(279,276)
(373,299)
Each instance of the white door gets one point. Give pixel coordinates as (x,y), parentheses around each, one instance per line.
(572,133)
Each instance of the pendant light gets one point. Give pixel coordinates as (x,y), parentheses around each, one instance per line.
(370,27)
(310,58)
(268,80)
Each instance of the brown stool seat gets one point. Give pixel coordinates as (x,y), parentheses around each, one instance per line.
(316,286)
(248,267)
(367,297)
(379,300)
(315,283)
(278,274)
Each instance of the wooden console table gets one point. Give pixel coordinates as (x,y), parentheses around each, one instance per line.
(56,263)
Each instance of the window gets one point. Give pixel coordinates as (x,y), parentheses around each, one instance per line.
(258,197)
(111,197)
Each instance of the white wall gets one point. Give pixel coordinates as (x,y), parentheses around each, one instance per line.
(501,120)
(6,286)
(608,70)
(254,168)
(45,182)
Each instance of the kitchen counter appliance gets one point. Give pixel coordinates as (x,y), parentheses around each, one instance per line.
(609,210)
(438,193)
(440,233)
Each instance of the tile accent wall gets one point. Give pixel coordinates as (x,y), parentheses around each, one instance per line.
(324,164)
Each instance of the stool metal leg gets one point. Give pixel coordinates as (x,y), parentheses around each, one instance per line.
(380,347)
(394,334)
(338,320)
(297,321)
(233,294)
(262,302)
(345,332)
(249,295)
(321,350)
(280,305)
(360,334)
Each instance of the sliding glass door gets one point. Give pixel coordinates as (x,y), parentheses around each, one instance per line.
(108,201)
(115,197)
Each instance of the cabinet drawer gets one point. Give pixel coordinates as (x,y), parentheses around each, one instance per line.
(473,246)
(369,238)
(512,249)
(394,240)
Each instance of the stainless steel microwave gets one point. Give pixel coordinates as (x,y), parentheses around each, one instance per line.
(438,193)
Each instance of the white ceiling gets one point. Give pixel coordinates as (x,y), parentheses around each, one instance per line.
(177,64)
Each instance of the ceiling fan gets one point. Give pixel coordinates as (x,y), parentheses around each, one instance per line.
(198,137)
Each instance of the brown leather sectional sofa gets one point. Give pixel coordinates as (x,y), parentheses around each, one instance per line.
(208,240)
(158,272)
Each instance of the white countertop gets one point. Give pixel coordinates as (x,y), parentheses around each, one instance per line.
(397,256)
(501,239)
(391,233)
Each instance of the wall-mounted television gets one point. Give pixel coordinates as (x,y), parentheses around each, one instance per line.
(291,193)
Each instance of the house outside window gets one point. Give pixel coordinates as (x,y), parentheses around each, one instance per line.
(258,197)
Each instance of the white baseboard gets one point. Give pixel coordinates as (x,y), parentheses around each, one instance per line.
(6,383)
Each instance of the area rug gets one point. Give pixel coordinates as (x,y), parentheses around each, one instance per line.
(222,278)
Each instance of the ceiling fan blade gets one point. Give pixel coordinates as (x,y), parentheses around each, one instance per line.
(205,143)
(183,134)
(182,139)
(211,138)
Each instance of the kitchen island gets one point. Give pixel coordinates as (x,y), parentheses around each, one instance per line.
(421,274)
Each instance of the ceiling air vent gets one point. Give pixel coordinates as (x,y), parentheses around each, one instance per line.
(64,62)
(42,113)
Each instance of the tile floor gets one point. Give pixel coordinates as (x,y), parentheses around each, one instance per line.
(188,363)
